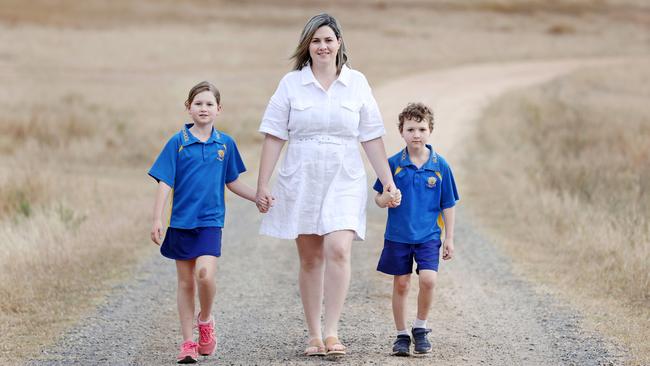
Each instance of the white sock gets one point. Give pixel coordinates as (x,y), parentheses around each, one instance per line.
(206,322)
(402,332)
(418,323)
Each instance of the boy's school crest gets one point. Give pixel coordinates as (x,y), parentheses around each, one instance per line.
(431,182)
(221,153)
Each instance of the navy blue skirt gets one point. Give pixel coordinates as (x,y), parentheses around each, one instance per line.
(187,244)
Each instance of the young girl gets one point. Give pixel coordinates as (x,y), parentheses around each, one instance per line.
(195,165)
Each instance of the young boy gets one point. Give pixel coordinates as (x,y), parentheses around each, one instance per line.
(414,227)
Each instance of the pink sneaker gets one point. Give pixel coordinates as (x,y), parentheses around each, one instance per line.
(189,352)
(207,339)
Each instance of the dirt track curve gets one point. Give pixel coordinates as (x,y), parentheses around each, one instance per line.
(483,314)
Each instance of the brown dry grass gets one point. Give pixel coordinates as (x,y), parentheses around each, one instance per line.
(568,193)
(91,90)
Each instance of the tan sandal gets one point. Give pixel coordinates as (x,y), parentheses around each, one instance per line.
(315,348)
(334,347)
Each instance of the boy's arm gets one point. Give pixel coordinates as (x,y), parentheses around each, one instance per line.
(159,203)
(449,215)
(241,189)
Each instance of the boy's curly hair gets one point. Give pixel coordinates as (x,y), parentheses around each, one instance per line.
(416,112)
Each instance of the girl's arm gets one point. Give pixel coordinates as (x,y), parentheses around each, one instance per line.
(241,189)
(377,156)
(449,215)
(270,154)
(159,203)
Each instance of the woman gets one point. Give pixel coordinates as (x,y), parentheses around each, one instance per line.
(323,109)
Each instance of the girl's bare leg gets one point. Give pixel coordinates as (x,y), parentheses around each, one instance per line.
(185,297)
(205,271)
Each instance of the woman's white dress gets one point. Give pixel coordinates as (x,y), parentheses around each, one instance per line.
(321,185)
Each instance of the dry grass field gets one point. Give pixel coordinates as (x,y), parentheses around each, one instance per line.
(91,90)
(568,194)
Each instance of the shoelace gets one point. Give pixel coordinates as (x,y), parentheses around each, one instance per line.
(189,346)
(205,333)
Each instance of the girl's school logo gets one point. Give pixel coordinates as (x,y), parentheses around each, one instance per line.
(431,182)
(221,154)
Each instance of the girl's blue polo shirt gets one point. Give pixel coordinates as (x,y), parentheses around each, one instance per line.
(425,193)
(198,172)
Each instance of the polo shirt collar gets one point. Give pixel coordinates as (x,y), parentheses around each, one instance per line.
(189,139)
(307,76)
(431,164)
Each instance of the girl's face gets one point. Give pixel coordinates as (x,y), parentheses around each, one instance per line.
(204,108)
(324,46)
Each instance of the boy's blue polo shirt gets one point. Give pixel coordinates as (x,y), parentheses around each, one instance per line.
(198,172)
(425,193)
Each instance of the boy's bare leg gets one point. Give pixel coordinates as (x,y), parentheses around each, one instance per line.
(185,297)
(337,247)
(205,273)
(427,282)
(401,285)
(310,278)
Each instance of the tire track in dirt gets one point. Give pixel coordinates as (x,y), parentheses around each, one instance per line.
(484,314)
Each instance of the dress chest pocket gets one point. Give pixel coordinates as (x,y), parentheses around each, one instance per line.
(301,110)
(350,112)
(351,105)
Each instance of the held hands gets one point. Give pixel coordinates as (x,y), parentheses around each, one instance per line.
(264,200)
(448,249)
(391,197)
(156,232)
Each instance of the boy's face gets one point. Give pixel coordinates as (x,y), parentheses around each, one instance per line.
(415,134)
(204,108)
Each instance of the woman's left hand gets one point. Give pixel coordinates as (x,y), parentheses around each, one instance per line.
(264,199)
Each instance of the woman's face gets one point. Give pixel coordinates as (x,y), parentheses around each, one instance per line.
(324,46)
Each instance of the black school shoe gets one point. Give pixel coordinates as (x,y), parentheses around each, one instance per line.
(402,345)
(422,344)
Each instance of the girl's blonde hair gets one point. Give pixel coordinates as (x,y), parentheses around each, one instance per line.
(301,55)
(200,88)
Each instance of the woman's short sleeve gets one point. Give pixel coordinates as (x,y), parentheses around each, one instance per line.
(276,117)
(371,125)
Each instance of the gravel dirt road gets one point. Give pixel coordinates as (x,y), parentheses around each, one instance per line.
(484,313)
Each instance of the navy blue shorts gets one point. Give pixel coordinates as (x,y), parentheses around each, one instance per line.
(187,244)
(397,258)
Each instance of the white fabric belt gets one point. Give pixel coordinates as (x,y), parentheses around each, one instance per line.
(323,139)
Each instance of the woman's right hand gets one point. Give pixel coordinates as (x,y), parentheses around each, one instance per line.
(156,232)
(264,200)
(395,194)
